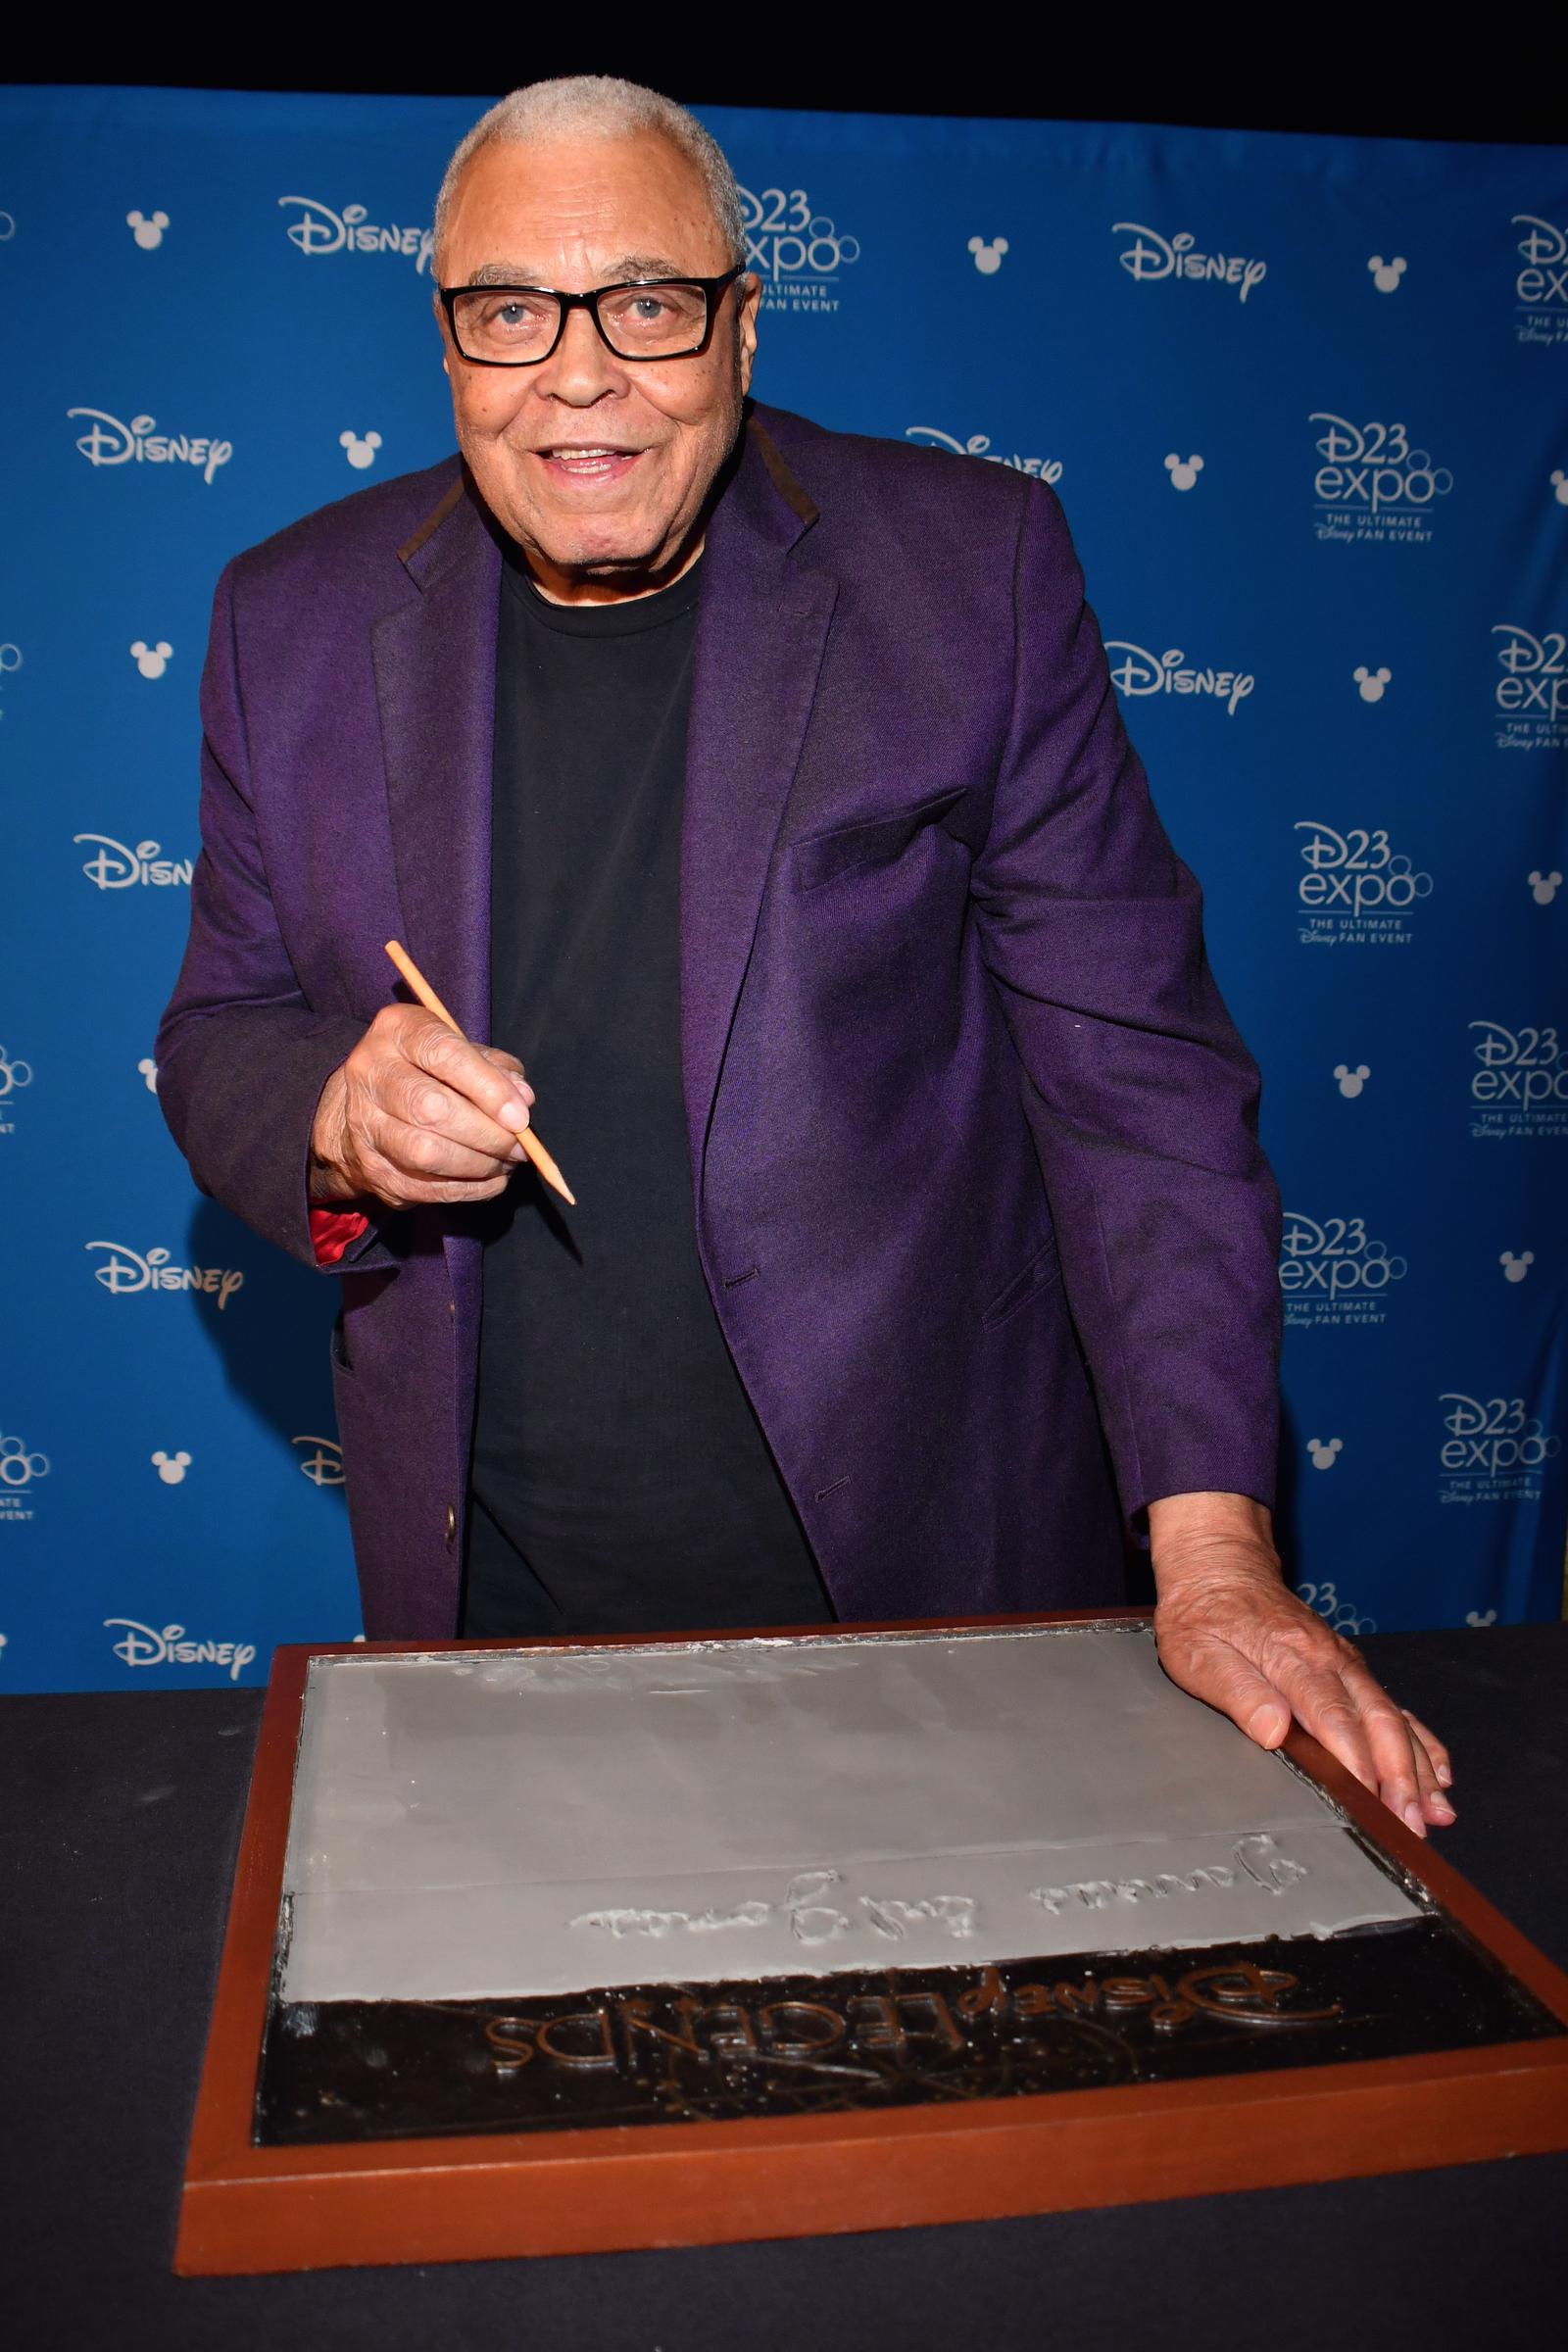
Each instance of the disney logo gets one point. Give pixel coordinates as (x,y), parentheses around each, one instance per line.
(978,445)
(323,1467)
(108,442)
(1151,256)
(1141,672)
(117,867)
(1544,248)
(321,231)
(1537,676)
(124,1272)
(145,1646)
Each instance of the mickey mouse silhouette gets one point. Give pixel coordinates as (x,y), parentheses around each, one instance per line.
(1385,275)
(149,1071)
(148,233)
(171,1468)
(361,449)
(988,258)
(1559,486)
(1481,1616)
(1371,682)
(1544,888)
(151,659)
(1352,1081)
(1183,471)
(1325,1455)
(1514,1269)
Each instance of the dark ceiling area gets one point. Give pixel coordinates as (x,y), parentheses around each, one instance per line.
(1291,79)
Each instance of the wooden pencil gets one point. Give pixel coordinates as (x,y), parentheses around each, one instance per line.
(432,1004)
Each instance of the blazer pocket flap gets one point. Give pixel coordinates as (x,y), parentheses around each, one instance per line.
(1042,1269)
(871,841)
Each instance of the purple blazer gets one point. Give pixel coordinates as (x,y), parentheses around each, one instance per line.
(976,1181)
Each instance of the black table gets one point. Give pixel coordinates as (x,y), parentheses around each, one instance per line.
(123,1814)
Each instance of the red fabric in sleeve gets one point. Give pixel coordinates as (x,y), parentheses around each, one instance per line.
(333,1230)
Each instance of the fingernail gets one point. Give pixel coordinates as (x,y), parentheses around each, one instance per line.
(1444,1776)
(513,1115)
(1413,1819)
(1442,1809)
(1264,1724)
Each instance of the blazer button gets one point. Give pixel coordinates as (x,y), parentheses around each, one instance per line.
(452,1522)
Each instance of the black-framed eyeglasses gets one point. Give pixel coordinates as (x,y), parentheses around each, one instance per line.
(649,319)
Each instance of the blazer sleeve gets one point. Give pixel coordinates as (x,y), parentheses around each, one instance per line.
(242,1057)
(1142,1098)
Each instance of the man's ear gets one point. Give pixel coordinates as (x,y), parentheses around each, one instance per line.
(748,290)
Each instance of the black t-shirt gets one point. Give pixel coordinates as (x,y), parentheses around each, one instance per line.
(621,1483)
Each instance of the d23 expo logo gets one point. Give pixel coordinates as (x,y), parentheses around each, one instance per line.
(1343,1615)
(20,1468)
(15,1074)
(1494,1449)
(798,252)
(1541,284)
(1332,1272)
(1358,890)
(1530,696)
(1372,485)
(1519,1084)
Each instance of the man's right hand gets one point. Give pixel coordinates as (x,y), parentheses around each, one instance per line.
(417,1115)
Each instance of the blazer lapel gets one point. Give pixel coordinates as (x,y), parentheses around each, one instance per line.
(760,644)
(761,636)
(435,668)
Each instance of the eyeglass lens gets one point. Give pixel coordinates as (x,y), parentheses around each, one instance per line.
(639,322)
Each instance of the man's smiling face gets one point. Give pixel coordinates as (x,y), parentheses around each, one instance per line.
(598,467)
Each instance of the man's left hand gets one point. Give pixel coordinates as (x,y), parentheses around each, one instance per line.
(1231,1633)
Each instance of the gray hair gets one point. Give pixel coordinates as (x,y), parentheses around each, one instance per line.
(604,108)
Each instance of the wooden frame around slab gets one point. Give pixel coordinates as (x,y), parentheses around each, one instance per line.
(248,2209)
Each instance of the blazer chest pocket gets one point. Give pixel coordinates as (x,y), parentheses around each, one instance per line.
(1041,1272)
(874,841)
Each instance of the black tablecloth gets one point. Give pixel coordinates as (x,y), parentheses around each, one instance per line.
(121,1813)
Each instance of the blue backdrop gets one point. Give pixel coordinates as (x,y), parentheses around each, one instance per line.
(1304,401)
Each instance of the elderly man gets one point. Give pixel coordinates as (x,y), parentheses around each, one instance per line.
(764,789)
